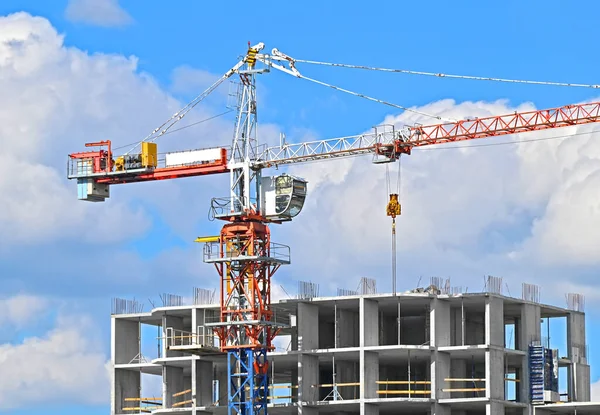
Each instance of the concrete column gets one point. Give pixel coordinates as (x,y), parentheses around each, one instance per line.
(529,326)
(368,409)
(308,376)
(440,370)
(126,384)
(494,321)
(579,385)
(369,374)
(308,326)
(494,374)
(369,322)
(439,409)
(494,408)
(172,383)
(440,323)
(523,385)
(177,324)
(125,336)
(202,379)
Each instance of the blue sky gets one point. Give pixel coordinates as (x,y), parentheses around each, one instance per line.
(524,212)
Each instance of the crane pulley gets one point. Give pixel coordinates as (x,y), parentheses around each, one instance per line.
(243,253)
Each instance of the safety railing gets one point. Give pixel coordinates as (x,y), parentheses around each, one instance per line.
(475,383)
(272,397)
(212,252)
(203,337)
(143,405)
(222,206)
(416,388)
(184,398)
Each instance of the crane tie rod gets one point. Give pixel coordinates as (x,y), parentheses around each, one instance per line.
(374,99)
(443,75)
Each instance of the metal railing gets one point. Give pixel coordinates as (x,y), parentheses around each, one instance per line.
(212,252)
(203,337)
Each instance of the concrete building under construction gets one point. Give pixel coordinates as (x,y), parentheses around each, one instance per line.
(428,351)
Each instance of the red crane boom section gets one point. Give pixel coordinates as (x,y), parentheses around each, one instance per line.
(518,122)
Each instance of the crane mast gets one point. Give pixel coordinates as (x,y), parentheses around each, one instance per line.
(243,253)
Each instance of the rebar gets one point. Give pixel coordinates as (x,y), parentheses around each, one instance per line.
(123,306)
(575,302)
(493,284)
(203,296)
(530,292)
(367,286)
(341,292)
(171,300)
(307,290)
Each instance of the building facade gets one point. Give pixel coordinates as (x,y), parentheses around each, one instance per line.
(415,353)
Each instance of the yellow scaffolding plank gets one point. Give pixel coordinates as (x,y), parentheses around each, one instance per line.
(403,392)
(205,239)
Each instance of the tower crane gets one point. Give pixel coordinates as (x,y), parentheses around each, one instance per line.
(243,253)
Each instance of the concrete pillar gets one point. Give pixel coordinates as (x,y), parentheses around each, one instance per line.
(494,374)
(125,336)
(494,321)
(172,383)
(439,409)
(308,376)
(177,324)
(369,322)
(308,326)
(579,384)
(529,326)
(126,384)
(440,370)
(494,408)
(369,374)
(368,409)
(440,323)
(202,380)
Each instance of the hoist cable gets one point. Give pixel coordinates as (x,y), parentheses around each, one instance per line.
(443,75)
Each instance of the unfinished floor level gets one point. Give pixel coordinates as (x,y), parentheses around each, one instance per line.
(417,353)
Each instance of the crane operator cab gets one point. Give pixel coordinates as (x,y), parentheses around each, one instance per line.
(282,196)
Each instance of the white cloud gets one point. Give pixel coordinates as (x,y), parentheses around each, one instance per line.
(463,209)
(97,12)
(595,396)
(20,309)
(188,79)
(64,364)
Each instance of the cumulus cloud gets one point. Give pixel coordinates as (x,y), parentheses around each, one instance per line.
(20,309)
(64,364)
(97,13)
(595,396)
(463,209)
